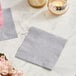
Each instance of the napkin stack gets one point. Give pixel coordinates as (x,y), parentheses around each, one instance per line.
(41,48)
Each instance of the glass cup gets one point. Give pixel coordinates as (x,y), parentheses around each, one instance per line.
(37,3)
(57,7)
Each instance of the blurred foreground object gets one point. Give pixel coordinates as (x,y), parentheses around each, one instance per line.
(6,68)
(1,17)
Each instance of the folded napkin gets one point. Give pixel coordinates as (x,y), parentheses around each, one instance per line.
(8,30)
(41,48)
(1,17)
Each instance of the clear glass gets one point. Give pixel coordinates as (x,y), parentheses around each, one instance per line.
(57,7)
(37,3)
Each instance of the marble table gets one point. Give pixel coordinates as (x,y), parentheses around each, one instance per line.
(64,26)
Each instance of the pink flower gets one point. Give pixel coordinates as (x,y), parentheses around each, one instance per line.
(1,17)
(6,68)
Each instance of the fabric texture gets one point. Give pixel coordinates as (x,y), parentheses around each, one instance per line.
(1,17)
(41,48)
(8,29)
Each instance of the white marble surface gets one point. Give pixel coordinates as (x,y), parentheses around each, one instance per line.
(65,26)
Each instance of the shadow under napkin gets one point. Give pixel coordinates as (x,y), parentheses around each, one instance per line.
(41,48)
(7,31)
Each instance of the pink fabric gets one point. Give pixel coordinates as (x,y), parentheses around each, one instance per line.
(1,17)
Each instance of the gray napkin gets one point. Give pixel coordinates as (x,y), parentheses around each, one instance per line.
(41,48)
(8,29)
